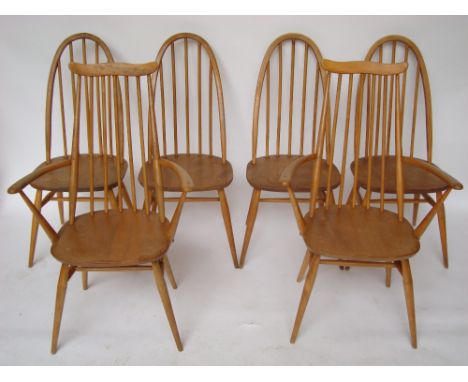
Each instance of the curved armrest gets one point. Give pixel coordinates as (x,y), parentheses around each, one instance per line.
(185,179)
(28,179)
(288,172)
(451,181)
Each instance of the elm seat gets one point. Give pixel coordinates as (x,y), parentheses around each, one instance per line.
(265,174)
(415,179)
(207,172)
(359,234)
(115,238)
(59,180)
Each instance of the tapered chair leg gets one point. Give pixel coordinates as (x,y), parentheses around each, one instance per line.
(65,274)
(84,279)
(409,296)
(416,208)
(308,285)
(251,216)
(388,276)
(170,274)
(60,207)
(228,225)
(442,230)
(162,289)
(304,266)
(34,227)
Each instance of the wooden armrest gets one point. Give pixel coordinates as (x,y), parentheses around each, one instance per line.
(288,172)
(185,178)
(28,179)
(451,181)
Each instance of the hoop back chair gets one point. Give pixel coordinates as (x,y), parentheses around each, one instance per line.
(352,233)
(416,127)
(60,100)
(191,134)
(119,239)
(290,72)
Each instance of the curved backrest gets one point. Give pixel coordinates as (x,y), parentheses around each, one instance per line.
(290,73)
(365,121)
(104,80)
(61,87)
(187,72)
(416,110)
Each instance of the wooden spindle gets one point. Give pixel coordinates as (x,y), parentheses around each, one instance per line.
(199,94)
(174,99)
(291,94)
(371,138)
(142,146)
(118,142)
(384,146)
(104,143)
(345,141)
(72,76)
(403,91)
(109,116)
(187,106)
(75,155)
(392,98)
(99,117)
(267,108)
(332,142)
(280,96)
(357,141)
(163,108)
(129,143)
(399,167)
(415,109)
(314,117)
(210,108)
(304,95)
(62,109)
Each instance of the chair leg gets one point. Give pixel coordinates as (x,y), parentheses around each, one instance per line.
(388,276)
(308,285)
(60,207)
(113,200)
(65,274)
(162,289)
(126,197)
(168,270)
(416,209)
(442,230)
(304,266)
(409,296)
(34,227)
(251,216)
(228,225)
(84,279)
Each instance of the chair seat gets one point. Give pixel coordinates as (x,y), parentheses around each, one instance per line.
(207,172)
(59,180)
(359,234)
(265,174)
(112,239)
(415,179)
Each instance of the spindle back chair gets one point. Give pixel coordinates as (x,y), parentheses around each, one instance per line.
(352,233)
(119,239)
(290,74)
(417,136)
(60,101)
(190,113)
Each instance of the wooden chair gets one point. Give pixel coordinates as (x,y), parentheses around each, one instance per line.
(419,182)
(192,144)
(353,233)
(303,82)
(116,239)
(61,90)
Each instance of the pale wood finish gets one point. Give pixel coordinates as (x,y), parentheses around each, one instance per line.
(119,239)
(419,178)
(202,157)
(60,101)
(356,234)
(290,131)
